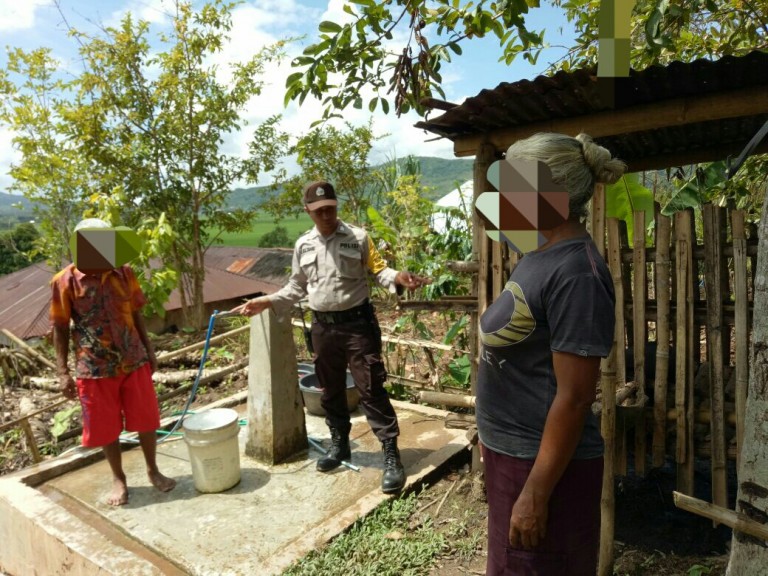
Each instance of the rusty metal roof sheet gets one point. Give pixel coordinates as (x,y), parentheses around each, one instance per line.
(580,93)
(220,285)
(25,296)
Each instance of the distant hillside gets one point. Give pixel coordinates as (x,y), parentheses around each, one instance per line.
(440,175)
(10,215)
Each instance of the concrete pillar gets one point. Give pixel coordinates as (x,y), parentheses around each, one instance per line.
(276,428)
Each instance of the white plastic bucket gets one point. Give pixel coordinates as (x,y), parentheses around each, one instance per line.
(214,452)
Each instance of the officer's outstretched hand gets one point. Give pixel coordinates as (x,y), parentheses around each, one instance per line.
(411,281)
(253,307)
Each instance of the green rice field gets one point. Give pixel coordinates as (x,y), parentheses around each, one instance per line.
(263,224)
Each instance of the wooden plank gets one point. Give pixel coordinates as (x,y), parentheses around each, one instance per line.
(736,520)
(608,396)
(741,325)
(698,252)
(663,297)
(484,158)
(676,112)
(684,298)
(640,330)
(714,327)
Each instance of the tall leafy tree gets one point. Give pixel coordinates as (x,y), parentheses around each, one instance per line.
(338,155)
(149,119)
(390,52)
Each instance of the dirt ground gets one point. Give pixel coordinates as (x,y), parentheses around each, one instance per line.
(652,537)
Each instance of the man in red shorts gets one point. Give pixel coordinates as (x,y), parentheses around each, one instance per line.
(114,359)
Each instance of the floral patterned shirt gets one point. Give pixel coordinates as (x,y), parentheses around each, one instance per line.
(101,308)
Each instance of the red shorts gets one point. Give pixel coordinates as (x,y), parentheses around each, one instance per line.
(112,404)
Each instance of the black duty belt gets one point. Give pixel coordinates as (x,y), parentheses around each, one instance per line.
(365,310)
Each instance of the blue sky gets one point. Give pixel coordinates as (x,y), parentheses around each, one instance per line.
(30,24)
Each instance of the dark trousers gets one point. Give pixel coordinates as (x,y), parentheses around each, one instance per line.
(356,344)
(570,546)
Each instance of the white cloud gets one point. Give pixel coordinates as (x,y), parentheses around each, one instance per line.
(19,14)
(152,11)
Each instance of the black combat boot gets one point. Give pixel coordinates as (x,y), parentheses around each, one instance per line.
(339,451)
(393,479)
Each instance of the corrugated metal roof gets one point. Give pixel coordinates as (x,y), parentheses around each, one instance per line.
(25,296)
(580,93)
(220,285)
(271,265)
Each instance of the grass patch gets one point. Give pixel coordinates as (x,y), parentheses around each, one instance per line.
(379,545)
(263,224)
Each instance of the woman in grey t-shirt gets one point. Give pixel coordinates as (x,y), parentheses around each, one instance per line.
(543,338)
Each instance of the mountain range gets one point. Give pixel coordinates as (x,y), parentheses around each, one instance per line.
(438,175)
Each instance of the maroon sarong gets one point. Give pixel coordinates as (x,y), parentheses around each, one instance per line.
(570,546)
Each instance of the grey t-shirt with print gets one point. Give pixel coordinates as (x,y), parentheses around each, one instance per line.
(559,299)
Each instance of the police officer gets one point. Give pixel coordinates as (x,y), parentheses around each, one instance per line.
(331,264)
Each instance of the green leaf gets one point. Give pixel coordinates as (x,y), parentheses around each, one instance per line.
(293,78)
(329,27)
(372,104)
(625,197)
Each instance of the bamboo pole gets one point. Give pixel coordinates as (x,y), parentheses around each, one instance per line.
(736,520)
(597,224)
(663,296)
(27,348)
(497,269)
(640,295)
(714,296)
(618,450)
(608,419)
(741,298)
(684,297)
(463,267)
(197,346)
(17,421)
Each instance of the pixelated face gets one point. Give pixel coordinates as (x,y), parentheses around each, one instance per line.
(614,36)
(527,206)
(97,250)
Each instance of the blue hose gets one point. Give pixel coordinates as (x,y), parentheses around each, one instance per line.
(192,393)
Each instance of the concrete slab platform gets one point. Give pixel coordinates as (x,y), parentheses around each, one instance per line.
(53,518)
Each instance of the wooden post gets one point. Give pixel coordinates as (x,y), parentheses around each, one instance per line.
(608,399)
(486,155)
(741,301)
(714,297)
(640,295)
(617,441)
(683,391)
(663,297)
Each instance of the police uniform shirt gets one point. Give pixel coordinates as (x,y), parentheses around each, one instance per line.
(333,271)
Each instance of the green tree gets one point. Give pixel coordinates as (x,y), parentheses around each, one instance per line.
(17,248)
(149,121)
(34,103)
(394,49)
(339,156)
(278,237)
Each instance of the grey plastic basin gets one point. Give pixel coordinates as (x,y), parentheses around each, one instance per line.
(311,392)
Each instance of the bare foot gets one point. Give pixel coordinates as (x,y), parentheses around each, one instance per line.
(162,483)
(119,494)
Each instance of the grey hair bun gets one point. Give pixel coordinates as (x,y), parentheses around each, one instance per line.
(607,170)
